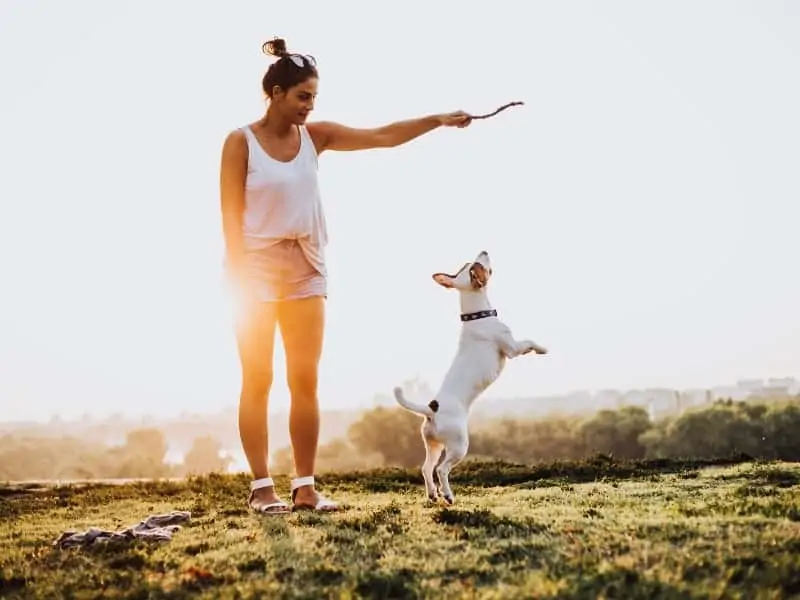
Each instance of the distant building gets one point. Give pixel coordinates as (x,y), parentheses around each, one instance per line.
(693,398)
(605,399)
(773,387)
(789,384)
(777,388)
(724,392)
(633,398)
(661,402)
(750,385)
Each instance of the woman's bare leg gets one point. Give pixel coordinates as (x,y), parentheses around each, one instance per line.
(255,338)
(302,325)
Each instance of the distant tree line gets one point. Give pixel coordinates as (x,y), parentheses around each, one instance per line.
(389,436)
(141,456)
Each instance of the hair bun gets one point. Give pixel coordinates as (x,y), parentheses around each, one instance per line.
(275,47)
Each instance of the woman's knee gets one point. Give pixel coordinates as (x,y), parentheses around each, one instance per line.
(255,342)
(256,386)
(302,380)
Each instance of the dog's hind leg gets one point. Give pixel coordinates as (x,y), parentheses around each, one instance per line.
(454,454)
(433,450)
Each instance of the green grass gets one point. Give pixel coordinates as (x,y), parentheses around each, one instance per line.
(593,529)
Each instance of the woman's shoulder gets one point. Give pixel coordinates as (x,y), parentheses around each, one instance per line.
(236,143)
(240,133)
(318,131)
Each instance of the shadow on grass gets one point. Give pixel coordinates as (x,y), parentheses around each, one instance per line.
(381,584)
(774,475)
(487,523)
(502,473)
(618,583)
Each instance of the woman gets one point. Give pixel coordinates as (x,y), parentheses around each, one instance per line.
(275,235)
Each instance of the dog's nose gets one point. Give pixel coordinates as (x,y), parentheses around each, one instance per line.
(483,253)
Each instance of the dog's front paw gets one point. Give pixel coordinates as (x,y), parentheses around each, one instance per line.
(530,346)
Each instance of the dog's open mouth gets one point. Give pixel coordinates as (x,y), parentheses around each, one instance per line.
(478,276)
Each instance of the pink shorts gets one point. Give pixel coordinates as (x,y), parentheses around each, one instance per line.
(282,272)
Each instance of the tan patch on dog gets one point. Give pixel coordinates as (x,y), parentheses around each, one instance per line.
(478,276)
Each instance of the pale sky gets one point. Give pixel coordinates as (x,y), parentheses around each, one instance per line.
(641,210)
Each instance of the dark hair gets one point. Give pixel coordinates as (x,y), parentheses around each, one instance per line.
(284,72)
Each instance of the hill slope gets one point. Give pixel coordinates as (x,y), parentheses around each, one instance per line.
(568,530)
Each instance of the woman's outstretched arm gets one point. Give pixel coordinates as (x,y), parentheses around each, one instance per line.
(328,135)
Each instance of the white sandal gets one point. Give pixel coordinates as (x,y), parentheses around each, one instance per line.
(280,507)
(323,504)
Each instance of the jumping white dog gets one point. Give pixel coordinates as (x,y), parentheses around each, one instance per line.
(484,345)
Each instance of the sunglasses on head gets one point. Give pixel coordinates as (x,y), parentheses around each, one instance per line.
(301,59)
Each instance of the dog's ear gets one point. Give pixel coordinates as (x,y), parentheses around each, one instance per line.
(443,279)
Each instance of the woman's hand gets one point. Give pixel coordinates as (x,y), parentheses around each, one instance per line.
(239,284)
(455,119)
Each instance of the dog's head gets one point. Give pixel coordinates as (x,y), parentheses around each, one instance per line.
(472,277)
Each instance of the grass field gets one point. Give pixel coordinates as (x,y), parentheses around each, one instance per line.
(595,529)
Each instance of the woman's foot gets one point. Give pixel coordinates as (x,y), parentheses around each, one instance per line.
(305,497)
(263,498)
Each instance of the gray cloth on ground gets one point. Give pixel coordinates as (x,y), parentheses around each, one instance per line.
(155,527)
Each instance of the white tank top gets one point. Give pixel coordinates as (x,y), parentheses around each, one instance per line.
(282,200)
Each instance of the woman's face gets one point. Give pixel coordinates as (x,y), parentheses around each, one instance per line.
(297,102)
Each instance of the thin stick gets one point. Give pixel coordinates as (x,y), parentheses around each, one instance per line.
(502,108)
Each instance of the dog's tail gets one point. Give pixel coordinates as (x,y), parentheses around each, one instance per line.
(420,409)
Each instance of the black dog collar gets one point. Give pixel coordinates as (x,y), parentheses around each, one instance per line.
(481,314)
